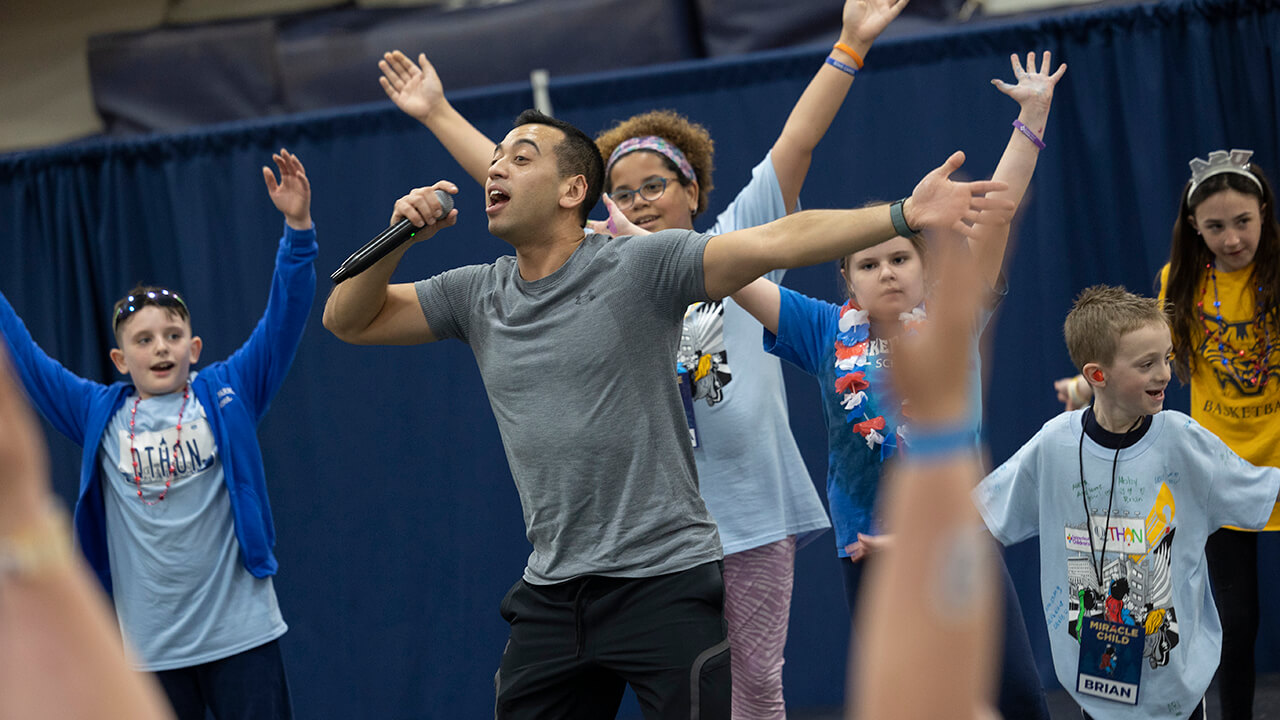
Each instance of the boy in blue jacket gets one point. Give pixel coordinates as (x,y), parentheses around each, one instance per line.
(172,511)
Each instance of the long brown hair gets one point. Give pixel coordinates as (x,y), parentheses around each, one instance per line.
(1189,255)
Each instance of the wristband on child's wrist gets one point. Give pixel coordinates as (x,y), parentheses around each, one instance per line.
(846,69)
(939,443)
(844,48)
(1031,134)
(45,545)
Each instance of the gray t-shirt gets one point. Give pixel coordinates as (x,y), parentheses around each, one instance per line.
(181,594)
(577,366)
(1174,487)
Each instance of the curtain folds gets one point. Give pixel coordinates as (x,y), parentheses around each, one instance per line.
(399,528)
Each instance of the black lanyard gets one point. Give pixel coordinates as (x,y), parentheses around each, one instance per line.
(1084,496)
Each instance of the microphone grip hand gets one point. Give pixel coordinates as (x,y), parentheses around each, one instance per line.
(386,241)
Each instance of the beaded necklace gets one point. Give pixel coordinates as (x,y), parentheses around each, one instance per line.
(1255,371)
(173,471)
(852,385)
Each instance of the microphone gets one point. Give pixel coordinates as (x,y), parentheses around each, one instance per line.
(386,241)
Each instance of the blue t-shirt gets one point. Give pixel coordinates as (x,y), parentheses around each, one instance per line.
(182,596)
(807,330)
(1174,487)
(750,471)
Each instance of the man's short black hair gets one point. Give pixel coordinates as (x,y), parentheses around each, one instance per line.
(577,154)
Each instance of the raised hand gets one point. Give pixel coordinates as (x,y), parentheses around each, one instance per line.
(1033,90)
(940,203)
(863,20)
(292,194)
(415,89)
(617,224)
(931,367)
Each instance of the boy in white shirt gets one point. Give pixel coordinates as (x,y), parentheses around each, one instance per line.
(1132,581)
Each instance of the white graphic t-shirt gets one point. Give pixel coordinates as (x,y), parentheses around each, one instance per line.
(1173,487)
(750,471)
(182,595)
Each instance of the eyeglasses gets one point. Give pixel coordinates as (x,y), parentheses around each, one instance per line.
(133,303)
(650,190)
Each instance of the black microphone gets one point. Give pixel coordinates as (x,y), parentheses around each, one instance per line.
(386,241)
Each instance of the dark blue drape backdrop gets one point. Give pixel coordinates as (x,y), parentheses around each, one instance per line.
(399,529)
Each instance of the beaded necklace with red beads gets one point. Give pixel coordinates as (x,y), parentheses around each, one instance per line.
(1261,348)
(173,471)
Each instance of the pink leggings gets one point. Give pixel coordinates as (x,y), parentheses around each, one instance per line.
(757,607)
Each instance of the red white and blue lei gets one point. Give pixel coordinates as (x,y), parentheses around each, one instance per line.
(852,384)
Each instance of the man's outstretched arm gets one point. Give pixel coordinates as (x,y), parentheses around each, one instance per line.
(938,203)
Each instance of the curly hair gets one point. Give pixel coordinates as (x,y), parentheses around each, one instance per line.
(692,139)
(1188,256)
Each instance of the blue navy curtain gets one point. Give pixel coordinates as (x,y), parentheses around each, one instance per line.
(399,528)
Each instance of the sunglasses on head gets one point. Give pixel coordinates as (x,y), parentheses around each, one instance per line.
(133,303)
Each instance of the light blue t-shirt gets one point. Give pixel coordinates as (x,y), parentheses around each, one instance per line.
(1174,487)
(750,471)
(182,596)
(807,329)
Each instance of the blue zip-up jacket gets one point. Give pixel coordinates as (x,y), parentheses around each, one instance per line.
(235,394)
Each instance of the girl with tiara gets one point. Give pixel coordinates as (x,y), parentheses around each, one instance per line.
(849,350)
(1222,283)
(750,471)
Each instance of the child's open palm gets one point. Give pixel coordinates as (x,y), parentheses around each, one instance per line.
(1034,88)
(292,194)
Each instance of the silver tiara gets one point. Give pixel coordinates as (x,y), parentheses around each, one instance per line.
(1220,161)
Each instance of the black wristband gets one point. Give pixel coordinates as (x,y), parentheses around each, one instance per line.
(900,225)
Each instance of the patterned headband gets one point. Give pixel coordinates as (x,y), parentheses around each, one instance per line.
(656,144)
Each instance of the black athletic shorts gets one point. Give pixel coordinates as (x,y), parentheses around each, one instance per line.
(575,645)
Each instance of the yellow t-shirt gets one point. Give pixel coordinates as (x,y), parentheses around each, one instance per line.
(1245,417)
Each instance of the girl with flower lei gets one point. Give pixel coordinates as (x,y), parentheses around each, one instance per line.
(849,350)
(1222,282)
